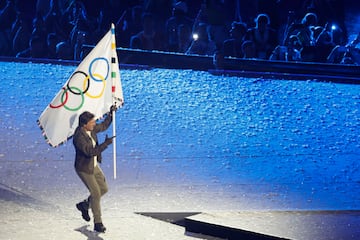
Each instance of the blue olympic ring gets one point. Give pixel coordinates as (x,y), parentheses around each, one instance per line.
(107,71)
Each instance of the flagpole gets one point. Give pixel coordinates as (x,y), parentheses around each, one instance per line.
(113,46)
(114,143)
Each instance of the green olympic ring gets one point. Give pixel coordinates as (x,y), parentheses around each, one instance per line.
(64,101)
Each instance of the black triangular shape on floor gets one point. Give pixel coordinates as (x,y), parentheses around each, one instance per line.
(224,232)
(177,218)
(206,229)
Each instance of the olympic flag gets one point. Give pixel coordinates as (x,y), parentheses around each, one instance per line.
(94,86)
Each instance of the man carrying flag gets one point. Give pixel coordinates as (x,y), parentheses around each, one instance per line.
(88,155)
(91,90)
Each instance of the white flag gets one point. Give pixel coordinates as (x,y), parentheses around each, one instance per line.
(94,86)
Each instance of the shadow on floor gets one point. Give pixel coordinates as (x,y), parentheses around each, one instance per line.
(91,235)
(11,194)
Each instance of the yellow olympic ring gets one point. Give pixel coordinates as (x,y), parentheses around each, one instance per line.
(102,90)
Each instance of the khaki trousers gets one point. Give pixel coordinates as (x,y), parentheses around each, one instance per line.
(97,186)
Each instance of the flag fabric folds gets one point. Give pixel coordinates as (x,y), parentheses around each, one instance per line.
(94,86)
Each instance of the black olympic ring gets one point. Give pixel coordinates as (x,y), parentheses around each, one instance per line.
(87,87)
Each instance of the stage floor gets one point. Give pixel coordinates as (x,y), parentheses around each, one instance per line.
(187,141)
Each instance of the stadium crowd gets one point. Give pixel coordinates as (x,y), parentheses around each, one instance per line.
(287,30)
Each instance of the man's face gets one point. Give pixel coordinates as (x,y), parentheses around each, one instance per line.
(90,125)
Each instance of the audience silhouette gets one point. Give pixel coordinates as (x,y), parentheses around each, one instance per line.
(296,31)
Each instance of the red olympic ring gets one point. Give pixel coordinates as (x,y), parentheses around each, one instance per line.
(63,102)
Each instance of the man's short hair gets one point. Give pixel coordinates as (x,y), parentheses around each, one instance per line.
(85,117)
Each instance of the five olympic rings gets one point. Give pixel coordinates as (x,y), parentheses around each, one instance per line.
(75,90)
